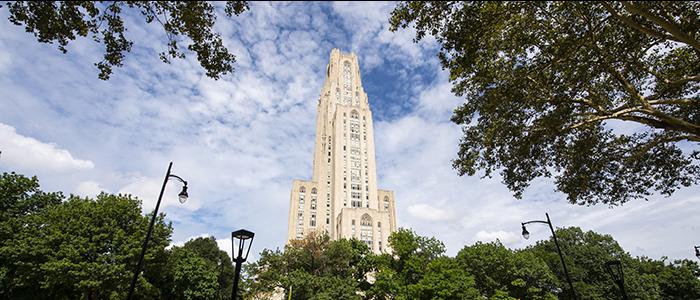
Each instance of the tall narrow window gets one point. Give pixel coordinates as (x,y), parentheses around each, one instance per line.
(366,230)
(352,226)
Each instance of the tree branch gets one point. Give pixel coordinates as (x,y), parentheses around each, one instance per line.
(684,80)
(674,101)
(635,25)
(627,86)
(592,105)
(667,25)
(615,115)
(674,123)
(661,139)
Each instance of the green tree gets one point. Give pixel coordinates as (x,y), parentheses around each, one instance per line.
(443,278)
(193,277)
(21,202)
(79,248)
(501,273)
(544,80)
(587,252)
(183,21)
(312,268)
(674,280)
(417,268)
(85,248)
(208,249)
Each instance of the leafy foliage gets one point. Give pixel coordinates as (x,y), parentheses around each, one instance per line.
(75,248)
(192,276)
(419,269)
(586,253)
(207,249)
(21,202)
(80,248)
(62,22)
(414,266)
(313,268)
(545,83)
(501,272)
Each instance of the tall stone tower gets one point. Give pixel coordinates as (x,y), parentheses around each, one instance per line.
(342,198)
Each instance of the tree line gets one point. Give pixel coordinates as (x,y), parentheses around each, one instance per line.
(418,268)
(58,247)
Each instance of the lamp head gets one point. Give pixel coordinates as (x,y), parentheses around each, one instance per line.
(183,194)
(243,234)
(526,234)
(697,251)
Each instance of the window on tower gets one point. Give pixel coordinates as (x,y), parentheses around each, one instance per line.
(366,230)
(356,199)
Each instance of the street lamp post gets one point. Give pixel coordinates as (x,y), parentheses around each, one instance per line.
(614,268)
(182,197)
(241,235)
(697,251)
(526,235)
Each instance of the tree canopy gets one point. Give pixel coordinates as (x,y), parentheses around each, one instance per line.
(602,96)
(418,268)
(191,22)
(586,252)
(57,247)
(71,248)
(313,268)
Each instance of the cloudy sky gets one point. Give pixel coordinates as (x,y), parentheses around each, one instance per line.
(240,141)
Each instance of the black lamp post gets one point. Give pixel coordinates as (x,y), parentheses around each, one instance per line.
(526,235)
(614,268)
(241,235)
(697,251)
(183,198)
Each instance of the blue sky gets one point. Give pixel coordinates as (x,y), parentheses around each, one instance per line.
(241,140)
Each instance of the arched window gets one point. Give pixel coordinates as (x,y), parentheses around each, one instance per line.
(313,191)
(302,189)
(354,114)
(366,230)
(386,203)
(366,220)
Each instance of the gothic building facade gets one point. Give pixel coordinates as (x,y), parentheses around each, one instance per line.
(342,197)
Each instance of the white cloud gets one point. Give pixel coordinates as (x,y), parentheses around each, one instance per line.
(430,213)
(225,244)
(29,154)
(5,61)
(88,189)
(506,237)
